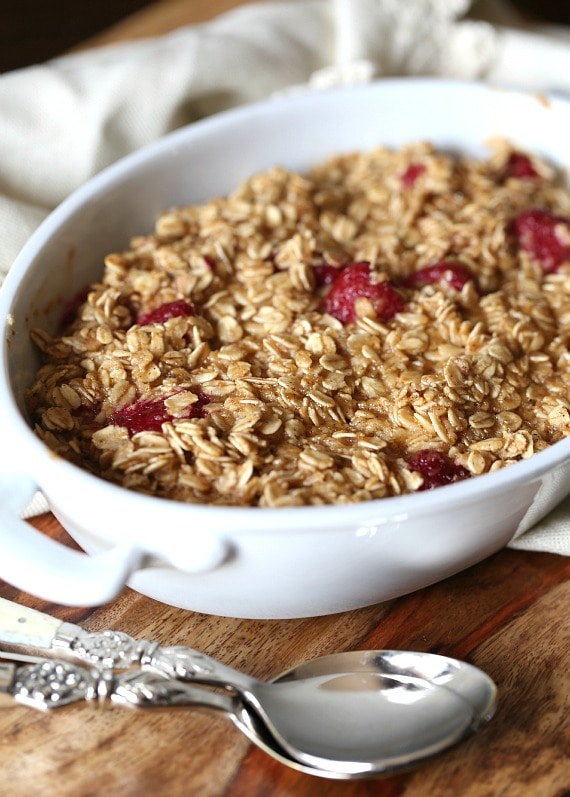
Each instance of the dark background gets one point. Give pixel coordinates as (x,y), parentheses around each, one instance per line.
(32,31)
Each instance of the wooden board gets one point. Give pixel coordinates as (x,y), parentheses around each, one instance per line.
(508,615)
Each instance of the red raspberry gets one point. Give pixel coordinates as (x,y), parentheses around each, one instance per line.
(538,232)
(436,469)
(142,416)
(326,274)
(520,166)
(454,274)
(71,307)
(198,409)
(87,415)
(148,415)
(354,282)
(159,315)
(411,174)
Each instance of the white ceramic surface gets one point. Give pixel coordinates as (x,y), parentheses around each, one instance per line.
(256,563)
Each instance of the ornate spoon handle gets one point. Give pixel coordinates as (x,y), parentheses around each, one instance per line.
(50,683)
(115,649)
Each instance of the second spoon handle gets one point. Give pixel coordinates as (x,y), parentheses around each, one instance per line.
(48,683)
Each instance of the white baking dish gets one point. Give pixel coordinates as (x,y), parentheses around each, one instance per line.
(251,562)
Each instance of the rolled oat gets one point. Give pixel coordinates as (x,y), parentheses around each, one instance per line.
(388,322)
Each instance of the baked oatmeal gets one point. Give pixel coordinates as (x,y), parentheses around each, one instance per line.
(389,322)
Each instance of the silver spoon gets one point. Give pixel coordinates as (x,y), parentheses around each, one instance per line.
(355,713)
(376,712)
(397,738)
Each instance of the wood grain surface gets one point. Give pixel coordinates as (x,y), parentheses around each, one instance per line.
(508,615)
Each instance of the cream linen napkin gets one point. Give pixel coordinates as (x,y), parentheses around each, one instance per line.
(63,121)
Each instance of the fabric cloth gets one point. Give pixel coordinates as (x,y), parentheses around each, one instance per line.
(63,121)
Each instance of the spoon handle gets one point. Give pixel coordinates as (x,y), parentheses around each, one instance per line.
(47,683)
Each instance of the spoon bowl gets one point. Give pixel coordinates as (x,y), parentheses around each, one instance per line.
(372,712)
(355,713)
(387,716)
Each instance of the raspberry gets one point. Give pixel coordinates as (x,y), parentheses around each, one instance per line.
(148,415)
(71,307)
(326,274)
(354,282)
(142,416)
(198,409)
(545,236)
(454,274)
(411,174)
(520,166)
(436,469)
(169,310)
(87,415)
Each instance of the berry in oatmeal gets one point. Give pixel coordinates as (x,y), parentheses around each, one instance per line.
(142,416)
(436,469)
(411,174)
(454,274)
(355,282)
(177,309)
(71,307)
(520,166)
(150,415)
(325,274)
(545,236)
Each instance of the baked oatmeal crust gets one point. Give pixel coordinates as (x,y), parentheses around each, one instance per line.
(260,397)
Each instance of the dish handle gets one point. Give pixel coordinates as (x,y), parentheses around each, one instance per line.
(35,563)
